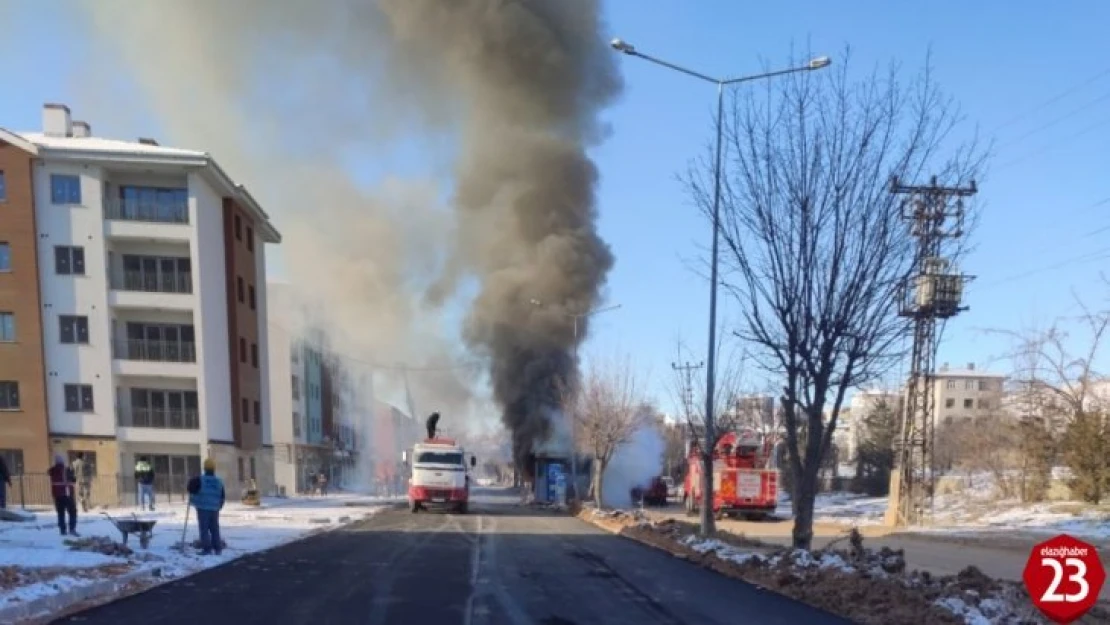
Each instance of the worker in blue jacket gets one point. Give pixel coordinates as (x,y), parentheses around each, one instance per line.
(206,494)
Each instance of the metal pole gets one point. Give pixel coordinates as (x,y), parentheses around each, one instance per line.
(574,422)
(711,361)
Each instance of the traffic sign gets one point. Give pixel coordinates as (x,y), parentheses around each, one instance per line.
(1064,577)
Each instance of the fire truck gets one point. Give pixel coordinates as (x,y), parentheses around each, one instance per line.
(440,476)
(745,482)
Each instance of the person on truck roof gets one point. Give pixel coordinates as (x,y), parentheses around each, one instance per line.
(433,421)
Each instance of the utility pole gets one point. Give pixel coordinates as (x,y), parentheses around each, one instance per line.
(688,389)
(932,292)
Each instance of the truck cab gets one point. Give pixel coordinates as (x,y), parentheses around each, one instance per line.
(440,476)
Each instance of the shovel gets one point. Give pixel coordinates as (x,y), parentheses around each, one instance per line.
(184,529)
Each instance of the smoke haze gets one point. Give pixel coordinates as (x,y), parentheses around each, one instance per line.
(503,94)
(634,463)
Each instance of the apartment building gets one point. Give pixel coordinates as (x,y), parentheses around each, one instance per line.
(136,288)
(967,393)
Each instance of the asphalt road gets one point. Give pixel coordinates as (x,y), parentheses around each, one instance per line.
(500,565)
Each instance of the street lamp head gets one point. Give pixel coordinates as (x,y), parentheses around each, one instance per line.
(620,45)
(819,62)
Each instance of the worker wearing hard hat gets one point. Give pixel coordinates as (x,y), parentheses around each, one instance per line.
(206,494)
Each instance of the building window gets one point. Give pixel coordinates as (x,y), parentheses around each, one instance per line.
(969,403)
(7,327)
(3,187)
(9,395)
(254,475)
(984,404)
(250,297)
(257,413)
(951,384)
(984,385)
(5,257)
(162,409)
(969,385)
(245,408)
(151,204)
(239,288)
(79,397)
(242,349)
(65,189)
(950,402)
(250,239)
(69,260)
(254,355)
(75,329)
(238,235)
(14,459)
(89,458)
(296,387)
(296,424)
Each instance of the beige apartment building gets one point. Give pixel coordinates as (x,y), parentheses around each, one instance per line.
(967,393)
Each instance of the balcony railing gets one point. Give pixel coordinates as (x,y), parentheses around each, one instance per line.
(166,212)
(180,282)
(158,418)
(157,351)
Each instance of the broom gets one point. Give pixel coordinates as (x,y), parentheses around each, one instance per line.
(184,528)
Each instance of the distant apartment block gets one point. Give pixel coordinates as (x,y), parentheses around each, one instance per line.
(967,393)
(132,306)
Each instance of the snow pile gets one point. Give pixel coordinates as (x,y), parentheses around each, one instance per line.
(861,584)
(36,561)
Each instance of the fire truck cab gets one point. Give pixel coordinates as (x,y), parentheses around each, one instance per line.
(743,482)
(440,476)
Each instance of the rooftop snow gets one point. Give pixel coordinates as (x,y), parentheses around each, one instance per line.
(97,144)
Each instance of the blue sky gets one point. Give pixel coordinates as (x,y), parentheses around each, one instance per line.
(1038,239)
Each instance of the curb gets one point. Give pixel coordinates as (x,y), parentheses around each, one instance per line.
(56,603)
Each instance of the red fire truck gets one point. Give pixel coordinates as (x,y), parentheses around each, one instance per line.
(744,480)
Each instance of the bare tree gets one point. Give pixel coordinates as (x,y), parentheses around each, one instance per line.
(815,248)
(608,409)
(1060,388)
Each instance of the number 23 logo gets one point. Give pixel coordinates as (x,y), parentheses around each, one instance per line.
(1051,594)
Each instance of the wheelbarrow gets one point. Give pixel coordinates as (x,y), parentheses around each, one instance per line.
(143,529)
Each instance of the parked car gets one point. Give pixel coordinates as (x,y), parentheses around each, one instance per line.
(655,494)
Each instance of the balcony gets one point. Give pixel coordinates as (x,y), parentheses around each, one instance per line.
(165,220)
(159,418)
(145,357)
(161,290)
(158,425)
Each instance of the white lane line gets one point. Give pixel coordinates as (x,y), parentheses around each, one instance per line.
(475,566)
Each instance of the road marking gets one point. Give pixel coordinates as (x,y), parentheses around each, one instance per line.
(475,566)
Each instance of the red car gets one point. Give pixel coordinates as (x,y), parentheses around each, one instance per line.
(654,495)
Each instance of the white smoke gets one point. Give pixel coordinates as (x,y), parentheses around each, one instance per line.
(633,464)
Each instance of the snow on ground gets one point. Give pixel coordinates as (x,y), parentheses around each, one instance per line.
(972,507)
(36,561)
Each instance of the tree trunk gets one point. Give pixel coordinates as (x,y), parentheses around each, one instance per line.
(805,489)
(708,527)
(598,472)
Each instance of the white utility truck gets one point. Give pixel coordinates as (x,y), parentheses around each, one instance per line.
(440,476)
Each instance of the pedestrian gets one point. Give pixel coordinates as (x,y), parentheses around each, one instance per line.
(61,487)
(83,470)
(207,495)
(144,477)
(322,483)
(5,482)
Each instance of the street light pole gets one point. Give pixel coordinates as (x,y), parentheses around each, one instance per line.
(711,359)
(573,421)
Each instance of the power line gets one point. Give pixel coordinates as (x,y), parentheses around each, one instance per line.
(1049,124)
(1054,99)
(1054,144)
(1086,257)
